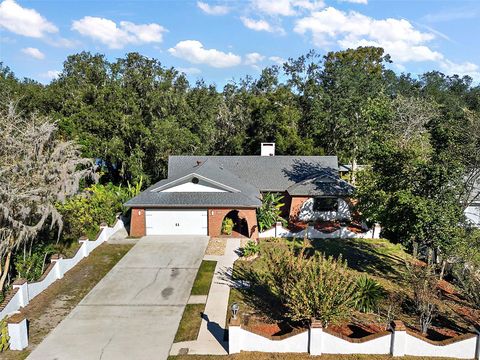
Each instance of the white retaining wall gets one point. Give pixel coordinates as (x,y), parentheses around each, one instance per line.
(317,342)
(464,349)
(244,340)
(27,291)
(332,344)
(310,232)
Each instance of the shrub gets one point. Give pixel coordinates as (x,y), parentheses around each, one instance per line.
(368,294)
(424,285)
(227,226)
(251,248)
(31,266)
(469,283)
(308,286)
(4,338)
(83,213)
(269,213)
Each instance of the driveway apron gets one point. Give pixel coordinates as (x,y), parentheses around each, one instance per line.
(134,311)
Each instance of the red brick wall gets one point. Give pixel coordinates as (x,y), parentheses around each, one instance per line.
(137,222)
(295,206)
(216,216)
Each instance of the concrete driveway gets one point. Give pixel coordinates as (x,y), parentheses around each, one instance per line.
(134,311)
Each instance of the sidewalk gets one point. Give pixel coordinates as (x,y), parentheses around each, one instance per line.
(210,339)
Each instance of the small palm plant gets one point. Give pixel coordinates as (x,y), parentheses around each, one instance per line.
(368,294)
(270,211)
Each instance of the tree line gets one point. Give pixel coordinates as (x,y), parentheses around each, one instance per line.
(419,135)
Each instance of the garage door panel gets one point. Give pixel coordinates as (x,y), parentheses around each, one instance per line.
(176,222)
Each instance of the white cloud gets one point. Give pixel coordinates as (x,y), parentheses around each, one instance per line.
(34,52)
(286,7)
(253,58)
(194,52)
(213,9)
(62,42)
(50,74)
(261,25)
(190,70)
(466,68)
(308,4)
(23,21)
(277,60)
(349,30)
(116,37)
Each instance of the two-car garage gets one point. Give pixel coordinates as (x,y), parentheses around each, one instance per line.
(176,222)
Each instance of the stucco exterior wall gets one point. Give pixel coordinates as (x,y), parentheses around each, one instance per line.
(216,216)
(137,222)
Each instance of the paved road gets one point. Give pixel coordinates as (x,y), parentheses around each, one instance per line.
(133,313)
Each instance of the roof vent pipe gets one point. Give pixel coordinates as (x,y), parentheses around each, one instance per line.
(267,149)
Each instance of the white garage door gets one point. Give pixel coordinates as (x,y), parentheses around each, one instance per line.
(176,222)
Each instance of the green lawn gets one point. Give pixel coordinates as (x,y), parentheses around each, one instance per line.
(378,258)
(190,323)
(202,283)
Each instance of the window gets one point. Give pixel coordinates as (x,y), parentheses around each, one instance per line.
(195,180)
(325,204)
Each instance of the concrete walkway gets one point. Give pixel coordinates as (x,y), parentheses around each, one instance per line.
(134,311)
(211,335)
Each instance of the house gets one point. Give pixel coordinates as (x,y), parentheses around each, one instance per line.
(201,191)
(472,212)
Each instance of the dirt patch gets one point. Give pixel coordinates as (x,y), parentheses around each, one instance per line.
(50,307)
(216,246)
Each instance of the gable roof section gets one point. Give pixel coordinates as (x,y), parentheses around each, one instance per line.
(265,173)
(239,192)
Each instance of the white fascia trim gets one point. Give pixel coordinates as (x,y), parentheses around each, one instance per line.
(179,180)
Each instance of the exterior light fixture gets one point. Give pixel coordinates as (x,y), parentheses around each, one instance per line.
(235,309)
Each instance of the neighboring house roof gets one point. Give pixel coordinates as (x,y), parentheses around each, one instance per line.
(475,194)
(348,167)
(323,185)
(266,173)
(236,191)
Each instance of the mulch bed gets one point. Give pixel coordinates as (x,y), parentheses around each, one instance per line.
(326,227)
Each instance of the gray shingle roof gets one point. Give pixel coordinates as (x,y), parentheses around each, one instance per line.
(323,185)
(266,173)
(246,176)
(243,194)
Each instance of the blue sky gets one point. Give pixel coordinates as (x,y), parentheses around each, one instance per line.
(229,39)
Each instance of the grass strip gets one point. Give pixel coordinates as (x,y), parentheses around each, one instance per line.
(202,283)
(190,323)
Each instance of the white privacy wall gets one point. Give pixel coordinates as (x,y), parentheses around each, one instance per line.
(316,341)
(334,345)
(243,340)
(465,349)
(27,291)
